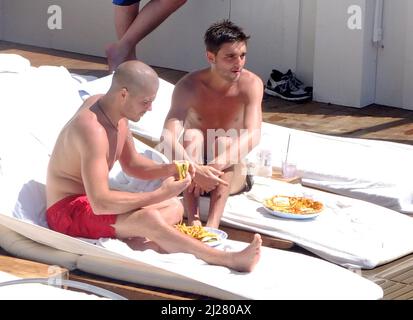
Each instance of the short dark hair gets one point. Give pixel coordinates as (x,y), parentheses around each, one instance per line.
(223,32)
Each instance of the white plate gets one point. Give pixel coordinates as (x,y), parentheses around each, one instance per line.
(222,235)
(291,215)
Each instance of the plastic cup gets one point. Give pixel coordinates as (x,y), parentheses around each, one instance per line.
(288,170)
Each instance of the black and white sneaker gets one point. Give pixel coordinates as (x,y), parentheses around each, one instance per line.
(297,82)
(287,86)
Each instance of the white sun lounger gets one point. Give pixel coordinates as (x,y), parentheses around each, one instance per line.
(278,275)
(24,234)
(53,96)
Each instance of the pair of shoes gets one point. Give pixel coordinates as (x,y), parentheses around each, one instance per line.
(287,86)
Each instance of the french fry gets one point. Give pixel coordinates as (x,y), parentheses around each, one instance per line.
(182,167)
(197,232)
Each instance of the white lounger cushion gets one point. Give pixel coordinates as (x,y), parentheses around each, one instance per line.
(13,63)
(23,247)
(278,275)
(374,171)
(348,232)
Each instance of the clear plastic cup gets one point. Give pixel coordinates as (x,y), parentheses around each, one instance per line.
(288,169)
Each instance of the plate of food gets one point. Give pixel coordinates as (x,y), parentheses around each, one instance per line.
(292,207)
(210,236)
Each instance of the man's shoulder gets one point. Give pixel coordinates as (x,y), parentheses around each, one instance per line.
(250,77)
(191,77)
(84,124)
(188,83)
(250,83)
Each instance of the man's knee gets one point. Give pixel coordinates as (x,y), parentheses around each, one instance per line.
(224,141)
(138,223)
(221,145)
(174,213)
(177,209)
(194,144)
(192,135)
(150,217)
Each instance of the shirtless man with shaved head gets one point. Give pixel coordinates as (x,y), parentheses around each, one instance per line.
(79,200)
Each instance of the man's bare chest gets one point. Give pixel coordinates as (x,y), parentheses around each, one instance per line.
(217,114)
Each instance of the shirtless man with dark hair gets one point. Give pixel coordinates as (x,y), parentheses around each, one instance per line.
(79,201)
(215,120)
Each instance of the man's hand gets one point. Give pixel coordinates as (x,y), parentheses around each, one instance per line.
(192,170)
(207,178)
(171,187)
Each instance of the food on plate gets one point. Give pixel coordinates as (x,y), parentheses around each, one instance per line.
(296,205)
(182,167)
(197,232)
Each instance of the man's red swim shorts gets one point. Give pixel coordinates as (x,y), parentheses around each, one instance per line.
(74,216)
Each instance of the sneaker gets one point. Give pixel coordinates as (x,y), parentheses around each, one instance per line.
(297,82)
(287,87)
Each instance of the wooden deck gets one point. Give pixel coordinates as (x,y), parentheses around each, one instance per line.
(372,122)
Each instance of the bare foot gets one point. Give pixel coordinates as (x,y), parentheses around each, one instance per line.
(116,54)
(246,259)
(195,222)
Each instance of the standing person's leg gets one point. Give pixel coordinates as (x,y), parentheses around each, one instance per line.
(150,17)
(124,15)
(149,223)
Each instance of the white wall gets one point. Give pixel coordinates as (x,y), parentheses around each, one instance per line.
(344,58)
(306,40)
(395,61)
(87,26)
(25,21)
(407,102)
(273,26)
(178,42)
(1,19)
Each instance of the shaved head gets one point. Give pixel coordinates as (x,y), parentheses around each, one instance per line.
(135,76)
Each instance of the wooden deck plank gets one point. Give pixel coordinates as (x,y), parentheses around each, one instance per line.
(29,269)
